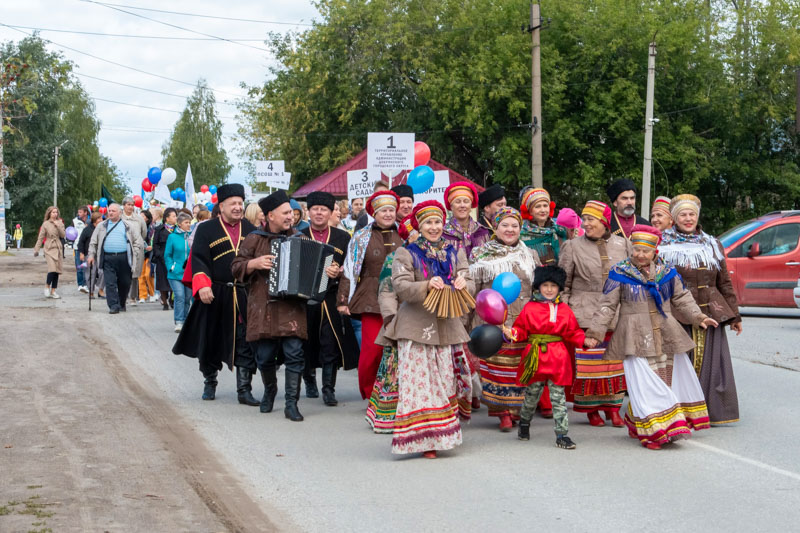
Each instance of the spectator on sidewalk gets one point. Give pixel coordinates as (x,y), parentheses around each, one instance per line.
(82,247)
(50,235)
(137,223)
(146,287)
(175,257)
(79,223)
(18,235)
(114,246)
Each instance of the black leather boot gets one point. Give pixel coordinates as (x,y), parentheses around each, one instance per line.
(244,388)
(210,389)
(329,384)
(310,379)
(270,380)
(292,390)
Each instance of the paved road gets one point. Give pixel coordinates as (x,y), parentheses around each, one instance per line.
(331,473)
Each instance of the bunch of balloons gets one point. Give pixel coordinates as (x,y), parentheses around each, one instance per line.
(492,306)
(178,194)
(207,194)
(155,176)
(421,178)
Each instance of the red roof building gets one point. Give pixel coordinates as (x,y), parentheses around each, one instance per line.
(335,181)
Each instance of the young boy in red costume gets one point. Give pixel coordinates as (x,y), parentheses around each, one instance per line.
(553,334)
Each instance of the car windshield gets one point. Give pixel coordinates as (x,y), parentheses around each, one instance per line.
(736,233)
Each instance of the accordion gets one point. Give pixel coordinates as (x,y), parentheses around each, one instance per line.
(298,270)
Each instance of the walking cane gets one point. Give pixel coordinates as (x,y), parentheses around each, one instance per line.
(91,284)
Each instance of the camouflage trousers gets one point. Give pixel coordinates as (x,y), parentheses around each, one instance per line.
(532,394)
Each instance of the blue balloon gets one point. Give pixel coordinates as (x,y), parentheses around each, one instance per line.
(102,202)
(212,189)
(154,175)
(508,285)
(174,194)
(210,205)
(181,195)
(420,179)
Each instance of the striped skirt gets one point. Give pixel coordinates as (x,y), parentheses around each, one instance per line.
(427,405)
(599,384)
(666,400)
(383,400)
(501,394)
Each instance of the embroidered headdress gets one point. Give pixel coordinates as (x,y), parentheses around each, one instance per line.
(598,210)
(642,235)
(684,201)
(379,200)
(460,188)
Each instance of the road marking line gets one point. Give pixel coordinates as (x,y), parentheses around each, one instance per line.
(747,460)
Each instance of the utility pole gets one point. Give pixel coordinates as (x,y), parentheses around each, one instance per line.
(648,131)
(55,174)
(536,95)
(797,102)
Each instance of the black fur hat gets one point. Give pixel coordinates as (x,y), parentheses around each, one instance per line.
(619,187)
(272,201)
(553,273)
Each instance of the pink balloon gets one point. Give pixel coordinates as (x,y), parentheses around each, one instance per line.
(491,307)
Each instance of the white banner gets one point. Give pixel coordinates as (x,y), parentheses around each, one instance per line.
(273,174)
(188,187)
(441,180)
(361,182)
(390,151)
(162,194)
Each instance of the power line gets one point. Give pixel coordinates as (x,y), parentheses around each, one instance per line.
(109,6)
(148,107)
(119,64)
(128,35)
(184,97)
(209,16)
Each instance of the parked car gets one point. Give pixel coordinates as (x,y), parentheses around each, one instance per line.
(763,259)
(797,293)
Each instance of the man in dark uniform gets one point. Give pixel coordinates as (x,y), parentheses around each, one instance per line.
(490,201)
(622,194)
(406,204)
(214,331)
(331,341)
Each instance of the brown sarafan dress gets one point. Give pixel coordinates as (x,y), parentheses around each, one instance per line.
(700,260)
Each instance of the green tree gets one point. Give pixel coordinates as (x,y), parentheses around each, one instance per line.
(457,72)
(60,111)
(197,139)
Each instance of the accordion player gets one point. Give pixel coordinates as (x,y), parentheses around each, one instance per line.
(299,269)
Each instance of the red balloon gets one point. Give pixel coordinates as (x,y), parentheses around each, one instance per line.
(89,207)
(102,210)
(491,307)
(137,200)
(214,198)
(422,154)
(204,188)
(146,185)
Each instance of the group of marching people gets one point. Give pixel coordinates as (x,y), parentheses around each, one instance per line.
(610,304)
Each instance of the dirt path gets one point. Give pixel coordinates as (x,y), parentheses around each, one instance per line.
(83,445)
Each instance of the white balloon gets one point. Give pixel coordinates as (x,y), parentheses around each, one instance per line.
(168,175)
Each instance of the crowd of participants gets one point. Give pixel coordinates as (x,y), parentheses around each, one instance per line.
(610,305)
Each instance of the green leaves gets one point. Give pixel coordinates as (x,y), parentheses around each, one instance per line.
(457,72)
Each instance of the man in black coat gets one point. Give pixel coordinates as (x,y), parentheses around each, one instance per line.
(490,201)
(215,330)
(331,340)
(622,194)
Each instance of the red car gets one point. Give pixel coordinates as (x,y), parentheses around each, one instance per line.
(764,259)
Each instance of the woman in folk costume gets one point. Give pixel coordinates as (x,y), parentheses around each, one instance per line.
(666,400)
(504,253)
(460,199)
(462,230)
(431,364)
(358,287)
(700,260)
(383,401)
(660,215)
(539,231)
(599,383)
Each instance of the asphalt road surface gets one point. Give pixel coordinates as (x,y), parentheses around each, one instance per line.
(331,473)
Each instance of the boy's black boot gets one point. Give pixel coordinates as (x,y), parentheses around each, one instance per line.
(524,431)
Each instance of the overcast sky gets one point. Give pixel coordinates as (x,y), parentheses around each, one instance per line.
(132,136)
